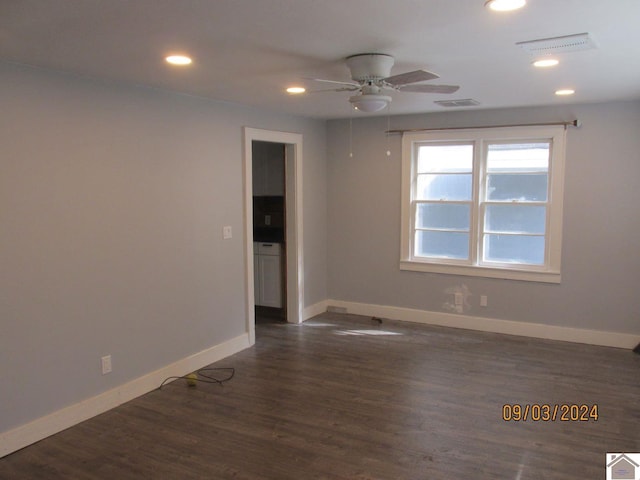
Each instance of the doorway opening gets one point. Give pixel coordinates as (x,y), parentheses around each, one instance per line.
(269,226)
(273,224)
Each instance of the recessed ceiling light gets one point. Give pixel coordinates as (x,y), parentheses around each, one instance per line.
(504,5)
(546,62)
(178,60)
(565,91)
(296,90)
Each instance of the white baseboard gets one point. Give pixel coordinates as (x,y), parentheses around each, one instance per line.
(536,330)
(38,429)
(313,310)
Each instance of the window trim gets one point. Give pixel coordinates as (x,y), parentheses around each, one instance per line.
(550,271)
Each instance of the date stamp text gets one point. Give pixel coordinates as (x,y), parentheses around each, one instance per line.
(543,412)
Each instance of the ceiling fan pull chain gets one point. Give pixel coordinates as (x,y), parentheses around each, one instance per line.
(388,128)
(351,135)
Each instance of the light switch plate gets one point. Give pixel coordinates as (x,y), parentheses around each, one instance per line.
(226,232)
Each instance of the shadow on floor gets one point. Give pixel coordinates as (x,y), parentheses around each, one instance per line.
(267,315)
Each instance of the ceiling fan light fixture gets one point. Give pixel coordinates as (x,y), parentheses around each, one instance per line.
(370,103)
(505,5)
(370,78)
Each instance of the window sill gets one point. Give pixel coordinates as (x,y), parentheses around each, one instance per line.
(482,271)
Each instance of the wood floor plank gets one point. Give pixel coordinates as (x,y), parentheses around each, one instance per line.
(344,397)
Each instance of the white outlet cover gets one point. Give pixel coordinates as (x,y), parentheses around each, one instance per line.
(459,298)
(106,364)
(227,233)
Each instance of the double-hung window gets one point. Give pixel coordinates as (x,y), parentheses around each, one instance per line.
(484,202)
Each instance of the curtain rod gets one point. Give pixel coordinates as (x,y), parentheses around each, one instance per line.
(573,123)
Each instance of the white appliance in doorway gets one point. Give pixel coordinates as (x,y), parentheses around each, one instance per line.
(267,266)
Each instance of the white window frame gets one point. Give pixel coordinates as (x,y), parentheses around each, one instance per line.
(548,272)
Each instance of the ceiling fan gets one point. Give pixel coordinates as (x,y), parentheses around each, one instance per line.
(371,77)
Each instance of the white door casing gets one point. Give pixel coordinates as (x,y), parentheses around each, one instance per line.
(293,235)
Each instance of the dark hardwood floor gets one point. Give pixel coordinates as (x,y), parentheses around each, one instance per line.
(349,398)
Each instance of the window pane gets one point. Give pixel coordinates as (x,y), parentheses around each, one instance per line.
(514,249)
(515,218)
(445,216)
(518,157)
(442,244)
(528,187)
(444,187)
(445,158)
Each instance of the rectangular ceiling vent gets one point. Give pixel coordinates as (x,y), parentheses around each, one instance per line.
(464,102)
(549,46)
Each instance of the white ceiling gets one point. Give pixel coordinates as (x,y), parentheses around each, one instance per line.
(248,51)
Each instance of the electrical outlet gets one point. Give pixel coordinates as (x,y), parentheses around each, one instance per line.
(484,300)
(106,364)
(267,219)
(226,232)
(459,298)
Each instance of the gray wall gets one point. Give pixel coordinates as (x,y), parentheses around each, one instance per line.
(600,259)
(112,203)
(113,198)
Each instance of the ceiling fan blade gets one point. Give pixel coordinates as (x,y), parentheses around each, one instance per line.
(410,77)
(351,84)
(343,89)
(429,88)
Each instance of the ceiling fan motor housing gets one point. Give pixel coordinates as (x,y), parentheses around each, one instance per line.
(369,66)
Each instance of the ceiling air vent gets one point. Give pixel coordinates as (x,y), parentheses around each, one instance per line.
(464,102)
(568,43)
